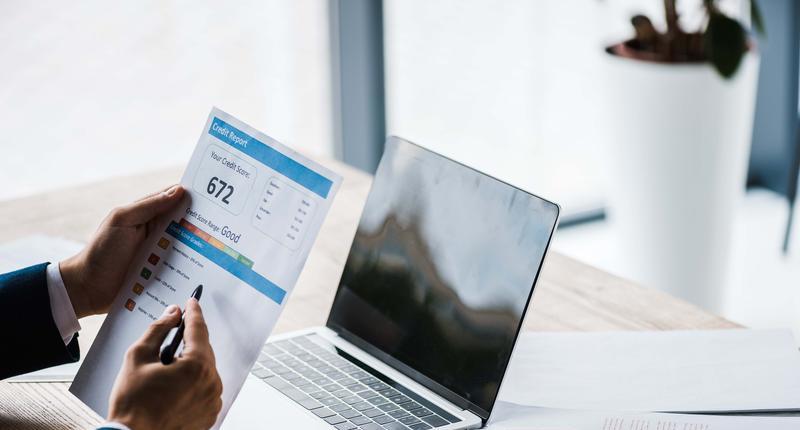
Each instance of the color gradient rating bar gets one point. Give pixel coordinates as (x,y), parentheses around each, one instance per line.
(227,262)
(216,243)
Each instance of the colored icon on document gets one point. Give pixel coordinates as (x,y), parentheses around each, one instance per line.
(130,305)
(138,289)
(163,243)
(153,259)
(146,273)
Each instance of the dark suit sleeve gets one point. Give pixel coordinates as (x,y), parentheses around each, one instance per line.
(29,338)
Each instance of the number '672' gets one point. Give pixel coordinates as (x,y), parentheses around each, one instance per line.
(216,187)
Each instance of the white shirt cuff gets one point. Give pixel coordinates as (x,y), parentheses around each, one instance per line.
(115,425)
(60,305)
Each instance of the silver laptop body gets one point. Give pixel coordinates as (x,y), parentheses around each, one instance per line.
(429,306)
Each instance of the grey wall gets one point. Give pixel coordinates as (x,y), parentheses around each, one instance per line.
(774,134)
(358,88)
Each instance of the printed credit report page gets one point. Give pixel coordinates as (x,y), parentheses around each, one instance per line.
(252,212)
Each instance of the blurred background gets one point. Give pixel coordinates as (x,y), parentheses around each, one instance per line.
(523,90)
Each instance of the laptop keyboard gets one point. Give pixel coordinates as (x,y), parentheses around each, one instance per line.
(345,393)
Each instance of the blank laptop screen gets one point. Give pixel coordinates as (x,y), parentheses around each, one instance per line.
(441,271)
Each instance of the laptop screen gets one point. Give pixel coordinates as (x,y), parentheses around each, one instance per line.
(441,271)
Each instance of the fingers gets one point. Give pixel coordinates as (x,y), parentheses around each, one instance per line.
(146,348)
(197,360)
(163,190)
(195,334)
(144,210)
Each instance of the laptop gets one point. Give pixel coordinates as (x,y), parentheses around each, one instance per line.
(428,309)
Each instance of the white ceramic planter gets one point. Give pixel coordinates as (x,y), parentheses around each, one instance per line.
(679,139)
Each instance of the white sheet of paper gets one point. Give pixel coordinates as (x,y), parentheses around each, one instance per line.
(507,416)
(668,371)
(35,249)
(253,211)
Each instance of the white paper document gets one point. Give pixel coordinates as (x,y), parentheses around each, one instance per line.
(508,416)
(253,211)
(35,249)
(667,371)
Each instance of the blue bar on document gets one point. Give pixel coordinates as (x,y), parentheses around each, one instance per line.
(270,157)
(227,263)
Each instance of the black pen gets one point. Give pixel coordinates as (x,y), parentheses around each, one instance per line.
(168,348)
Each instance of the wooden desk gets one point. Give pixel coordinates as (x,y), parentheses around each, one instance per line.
(569,296)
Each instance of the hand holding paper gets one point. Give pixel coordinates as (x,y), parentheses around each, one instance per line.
(93,276)
(250,213)
(185,394)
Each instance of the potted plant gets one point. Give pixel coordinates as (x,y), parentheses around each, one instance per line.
(680,114)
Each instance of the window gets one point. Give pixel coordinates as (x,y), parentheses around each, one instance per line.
(96,90)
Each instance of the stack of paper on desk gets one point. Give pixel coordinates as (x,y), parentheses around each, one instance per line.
(508,416)
(668,371)
(35,249)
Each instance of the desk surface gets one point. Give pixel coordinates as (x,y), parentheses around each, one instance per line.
(570,295)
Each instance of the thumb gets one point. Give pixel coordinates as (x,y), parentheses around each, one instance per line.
(144,210)
(153,337)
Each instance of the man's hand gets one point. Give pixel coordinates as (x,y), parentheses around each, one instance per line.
(93,276)
(183,394)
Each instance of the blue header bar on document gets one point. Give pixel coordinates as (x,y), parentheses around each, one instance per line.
(270,157)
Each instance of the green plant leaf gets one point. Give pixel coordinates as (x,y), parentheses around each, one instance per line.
(725,43)
(757,18)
